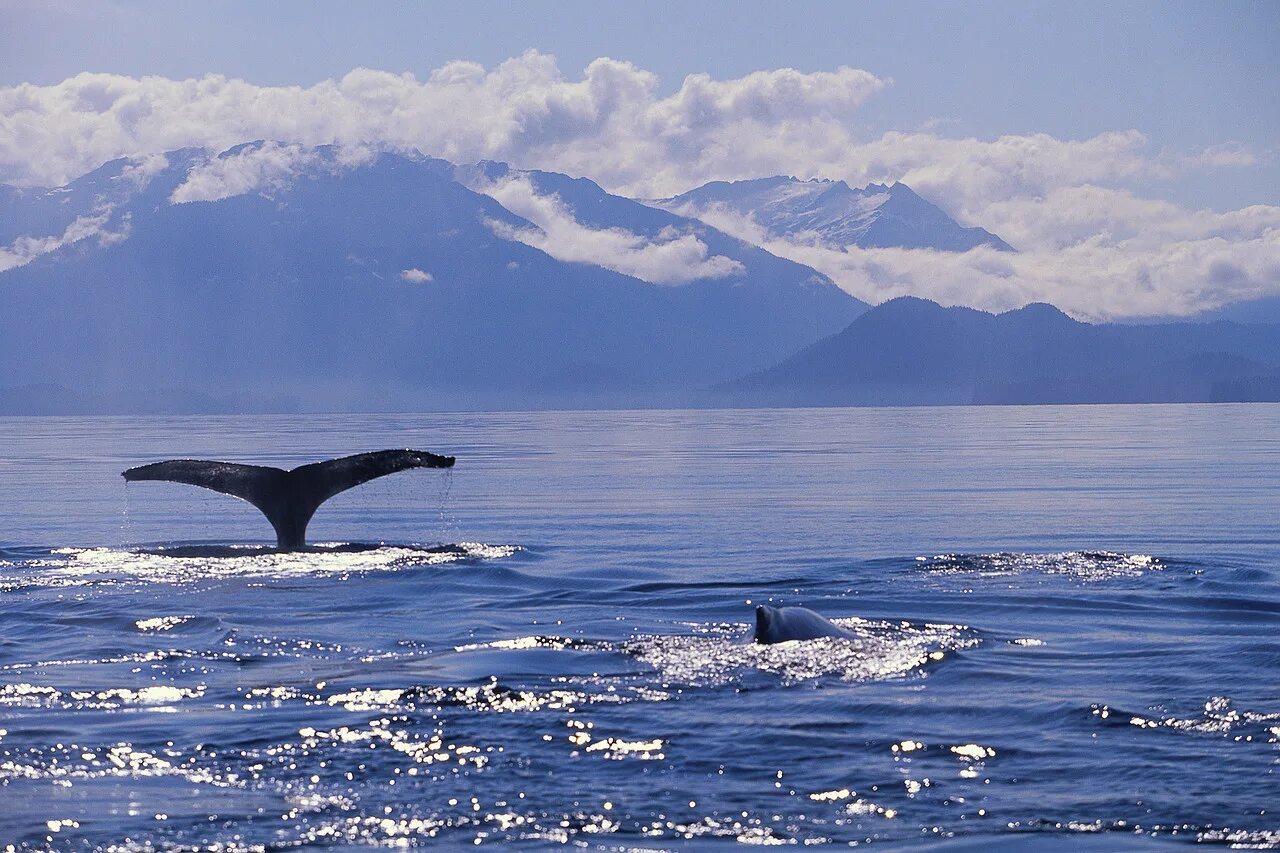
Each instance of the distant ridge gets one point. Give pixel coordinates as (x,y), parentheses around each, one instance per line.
(275,277)
(876,216)
(910,351)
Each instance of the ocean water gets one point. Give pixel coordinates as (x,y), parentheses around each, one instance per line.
(1067,626)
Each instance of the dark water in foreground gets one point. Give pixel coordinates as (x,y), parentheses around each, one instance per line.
(1069,624)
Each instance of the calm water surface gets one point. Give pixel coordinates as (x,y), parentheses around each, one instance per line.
(1068,625)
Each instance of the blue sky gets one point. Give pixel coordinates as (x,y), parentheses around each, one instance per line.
(1131,152)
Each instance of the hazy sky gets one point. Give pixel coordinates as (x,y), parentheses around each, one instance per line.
(1131,152)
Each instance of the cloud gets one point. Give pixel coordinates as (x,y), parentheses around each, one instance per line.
(1227,154)
(256,168)
(610,124)
(416,276)
(263,167)
(1188,263)
(139,172)
(1057,200)
(522,111)
(672,257)
(26,248)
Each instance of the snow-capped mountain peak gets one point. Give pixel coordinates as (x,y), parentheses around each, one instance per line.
(835,214)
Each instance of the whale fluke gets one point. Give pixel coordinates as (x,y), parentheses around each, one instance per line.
(289,498)
(781,624)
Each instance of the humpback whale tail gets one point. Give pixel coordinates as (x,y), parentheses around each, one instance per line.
(289,498)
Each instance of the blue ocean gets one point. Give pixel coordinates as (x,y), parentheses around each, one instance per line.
(1065,622)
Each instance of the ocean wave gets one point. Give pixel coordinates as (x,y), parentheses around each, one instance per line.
(1082,565)
(1234,838)
(1219,716)
(24,695)
(717,655)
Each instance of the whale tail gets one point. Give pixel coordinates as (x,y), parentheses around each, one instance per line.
(288,498)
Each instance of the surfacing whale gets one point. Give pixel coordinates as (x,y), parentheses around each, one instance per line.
(780,624)
(289,498)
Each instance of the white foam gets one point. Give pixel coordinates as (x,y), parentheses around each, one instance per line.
(33,695)
(1083,565)
(878,650)
(86,565)
(160,623)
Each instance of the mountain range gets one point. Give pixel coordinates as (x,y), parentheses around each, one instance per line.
(911,351)
(387,282)
(836,215)
(277,278)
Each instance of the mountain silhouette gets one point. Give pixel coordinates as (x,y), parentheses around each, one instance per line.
(911,351)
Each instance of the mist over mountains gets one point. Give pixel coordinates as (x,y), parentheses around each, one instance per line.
(278,277)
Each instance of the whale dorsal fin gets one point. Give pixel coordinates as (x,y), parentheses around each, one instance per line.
(288,498)
(781,624)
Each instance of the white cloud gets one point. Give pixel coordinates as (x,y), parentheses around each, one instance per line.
(611,125)
(670,258)
(1189,262)
(522,111)
(416,276)
(254,168)
(1227,154)
(263,167)
(26,249)
(140,171)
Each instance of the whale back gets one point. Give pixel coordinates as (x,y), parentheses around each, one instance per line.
(781,624)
